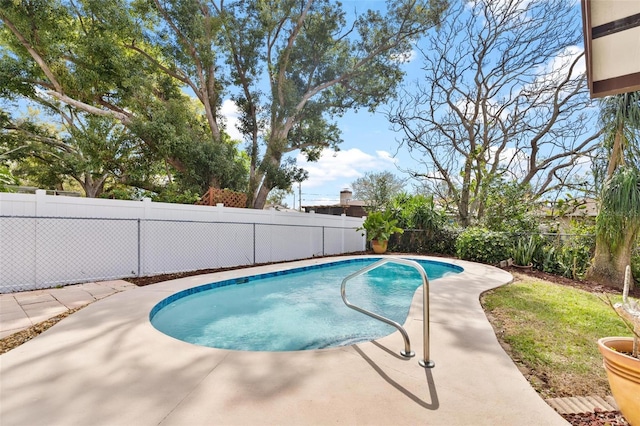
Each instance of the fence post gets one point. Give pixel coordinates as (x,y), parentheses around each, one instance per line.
(146,208)
(323,230)
(41,203)
(254,243)
(342,218)
(147,214)
(139,249)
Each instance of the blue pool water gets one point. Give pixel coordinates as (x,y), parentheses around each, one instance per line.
(298,309)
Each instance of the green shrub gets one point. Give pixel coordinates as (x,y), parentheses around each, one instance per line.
(379,226)
(547,260)
(568,255)
(509,207)
(425,224)
(442,241)
(482,245)
(524,251)
(416,212)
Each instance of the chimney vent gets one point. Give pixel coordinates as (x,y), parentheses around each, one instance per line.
(345,197)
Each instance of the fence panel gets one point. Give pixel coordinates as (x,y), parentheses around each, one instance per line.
(235,244)
(333,243)
(45,252)
(354,241)
(41,252)
(171,246)
(276,243)
(18,266)
(73,250)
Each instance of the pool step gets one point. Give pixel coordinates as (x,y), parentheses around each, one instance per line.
(338,341)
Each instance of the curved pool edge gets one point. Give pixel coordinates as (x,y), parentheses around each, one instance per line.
(482,277)
(471,271)
(281,341)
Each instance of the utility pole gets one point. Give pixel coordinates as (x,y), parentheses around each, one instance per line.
(299,196)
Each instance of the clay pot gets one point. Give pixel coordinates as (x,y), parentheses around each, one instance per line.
(623,372)
(529,266)
(379,246)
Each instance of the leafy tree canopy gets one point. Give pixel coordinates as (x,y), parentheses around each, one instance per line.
(377,189)
(84,58)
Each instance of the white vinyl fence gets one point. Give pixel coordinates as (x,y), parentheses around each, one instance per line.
(46,241)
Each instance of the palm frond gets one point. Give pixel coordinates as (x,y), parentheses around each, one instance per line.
(620,205)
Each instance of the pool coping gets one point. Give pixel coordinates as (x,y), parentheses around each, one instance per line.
(148,378)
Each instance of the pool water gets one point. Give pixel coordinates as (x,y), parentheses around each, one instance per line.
(299,309)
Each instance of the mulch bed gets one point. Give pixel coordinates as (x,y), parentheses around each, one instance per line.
(589,286)
(143,281)
(599,418)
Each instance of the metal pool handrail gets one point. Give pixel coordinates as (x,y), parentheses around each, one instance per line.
(426,362)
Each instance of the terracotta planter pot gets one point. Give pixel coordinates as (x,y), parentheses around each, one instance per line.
(623,372)
(529,266)
(379,247)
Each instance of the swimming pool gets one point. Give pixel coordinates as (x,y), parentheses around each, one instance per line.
(296,309)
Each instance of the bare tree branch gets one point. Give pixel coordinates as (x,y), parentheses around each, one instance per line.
(501,96)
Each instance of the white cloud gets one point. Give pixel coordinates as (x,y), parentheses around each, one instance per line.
(231,115)
(556,70)
(384,155)
(516,161)
(341,166)
(563,60)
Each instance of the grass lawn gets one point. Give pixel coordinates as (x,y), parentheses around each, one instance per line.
(550,330)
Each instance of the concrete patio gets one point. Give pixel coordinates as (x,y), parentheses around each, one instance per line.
(22,310)
(106,365)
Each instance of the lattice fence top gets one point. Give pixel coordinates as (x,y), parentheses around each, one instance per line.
(225,196)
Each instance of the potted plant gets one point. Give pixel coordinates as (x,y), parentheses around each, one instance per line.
(379,226)
(523,252)
(621,359)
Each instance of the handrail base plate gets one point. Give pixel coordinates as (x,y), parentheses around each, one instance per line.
(426,364)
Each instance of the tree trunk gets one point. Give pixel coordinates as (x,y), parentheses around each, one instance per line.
(93,191)
(608,267)
(609,262)
(464,214)
(616,159)
(92,188)
(261,197)
(265,186)
(273,156)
